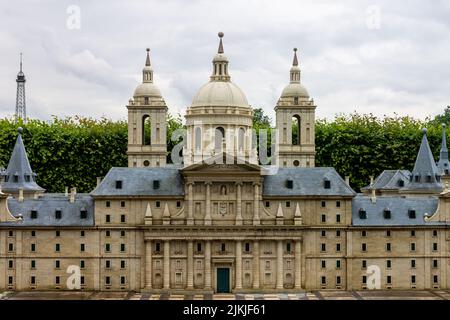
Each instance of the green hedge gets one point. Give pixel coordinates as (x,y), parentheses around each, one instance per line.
(74,151)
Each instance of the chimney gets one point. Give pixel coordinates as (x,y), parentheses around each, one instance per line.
(20,195)
(347,180)
(66,191)
(371,180)
(73,192)
(99,180)
(374,197)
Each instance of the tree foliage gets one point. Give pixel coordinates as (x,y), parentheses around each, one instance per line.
(74,151)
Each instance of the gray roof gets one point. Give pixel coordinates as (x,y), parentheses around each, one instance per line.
(389,179)
(139,182)
(19,167)
(46,207)
(306,182)
(443,163)
(425,169)
(399,207)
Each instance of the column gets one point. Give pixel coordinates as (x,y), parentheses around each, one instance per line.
(190,218)
(190,265)
(256,270)
(238,265)
(280,273)
(298,265)
(148,265)
(167,264)
(238,203)
(208,203)
(256,204)
(208,264)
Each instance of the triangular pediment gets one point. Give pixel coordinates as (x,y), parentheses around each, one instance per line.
(223,163)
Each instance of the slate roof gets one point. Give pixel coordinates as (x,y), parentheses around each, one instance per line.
(399,207)
(139,182)
(306,182)
(46,207)
(19,167)
(388,180)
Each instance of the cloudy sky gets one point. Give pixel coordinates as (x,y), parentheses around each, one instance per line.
(370,56)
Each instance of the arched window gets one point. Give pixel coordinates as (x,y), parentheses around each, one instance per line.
(241,136)
(198,139)
(296,129)
(219,138)
(146,130)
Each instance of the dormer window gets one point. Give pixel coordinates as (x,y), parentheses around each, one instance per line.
(83,213)
(155,184)
(401,183)
(417,178)
(16,177)
(429,178)
(58,214)
(118,184)
(410,178)
(27,178)
(412,213)
(34,214)
(387,214)
(438,177)
(289,184)
(362,214)
(327,184)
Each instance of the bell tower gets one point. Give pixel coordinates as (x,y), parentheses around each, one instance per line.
(295,121)
(147,129)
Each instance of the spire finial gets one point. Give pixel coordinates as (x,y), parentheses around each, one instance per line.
(21,62)
(295,62)
(220,34)
(147,61)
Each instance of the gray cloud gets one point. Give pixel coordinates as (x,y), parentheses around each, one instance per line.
(402,67)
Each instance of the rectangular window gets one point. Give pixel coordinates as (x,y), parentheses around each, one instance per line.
(413,246)
(288,247)
(323,247)
(57,280)
(413,233)
(122,233)
(364,279)
(178,204)
(412,214)
(338,233)
(435,233)
(82,280)
(10,280)
(338,247)
(57,247)
(247,247)
(362,214)
(364,264)
(327,184)
(33,264)
(108,233)
(122,204)
(33,233)
(107,218)
(118,184)
(324,204)
(57,264)
(122,218)
(363,233)
(222,247)
(323,218)
(58,233)
(122,247)
(413,279)
(323,264)
(199,247)
(82,264)
(338,204)
(435,246)
(33,247)
(58,214)
(338,280)
(108,204)
(33,280)
(34,214)
(388,264)
(108,264)
(338,264)
(122,264)
(388,233)
(323,280)
(82,247)
(389,280)
(338,218)
(82,234)
(388,246)
(10,264)
(107,247)
(435,263)
(122,280)
(157,204)
(288,204)
(435,279)
(107,281)
(363,247)
(387,214)
(267,204)
(290,184)
(158,247)
(83,214)
(323,233)
(10,247)
(413,264)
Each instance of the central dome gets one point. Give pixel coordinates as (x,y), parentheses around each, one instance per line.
(220,93)
(146,89)
(295,90)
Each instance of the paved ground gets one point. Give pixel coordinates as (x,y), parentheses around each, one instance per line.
(316,295)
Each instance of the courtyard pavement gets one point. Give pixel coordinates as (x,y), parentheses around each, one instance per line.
(315,295)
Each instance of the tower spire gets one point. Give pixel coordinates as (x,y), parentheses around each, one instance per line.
(443,163)
(21,62)
(220,63)
(20,95)
(147,72)
(295,70)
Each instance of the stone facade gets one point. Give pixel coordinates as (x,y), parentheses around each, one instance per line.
(225,224)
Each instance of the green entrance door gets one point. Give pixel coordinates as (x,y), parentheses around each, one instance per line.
(223,280)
